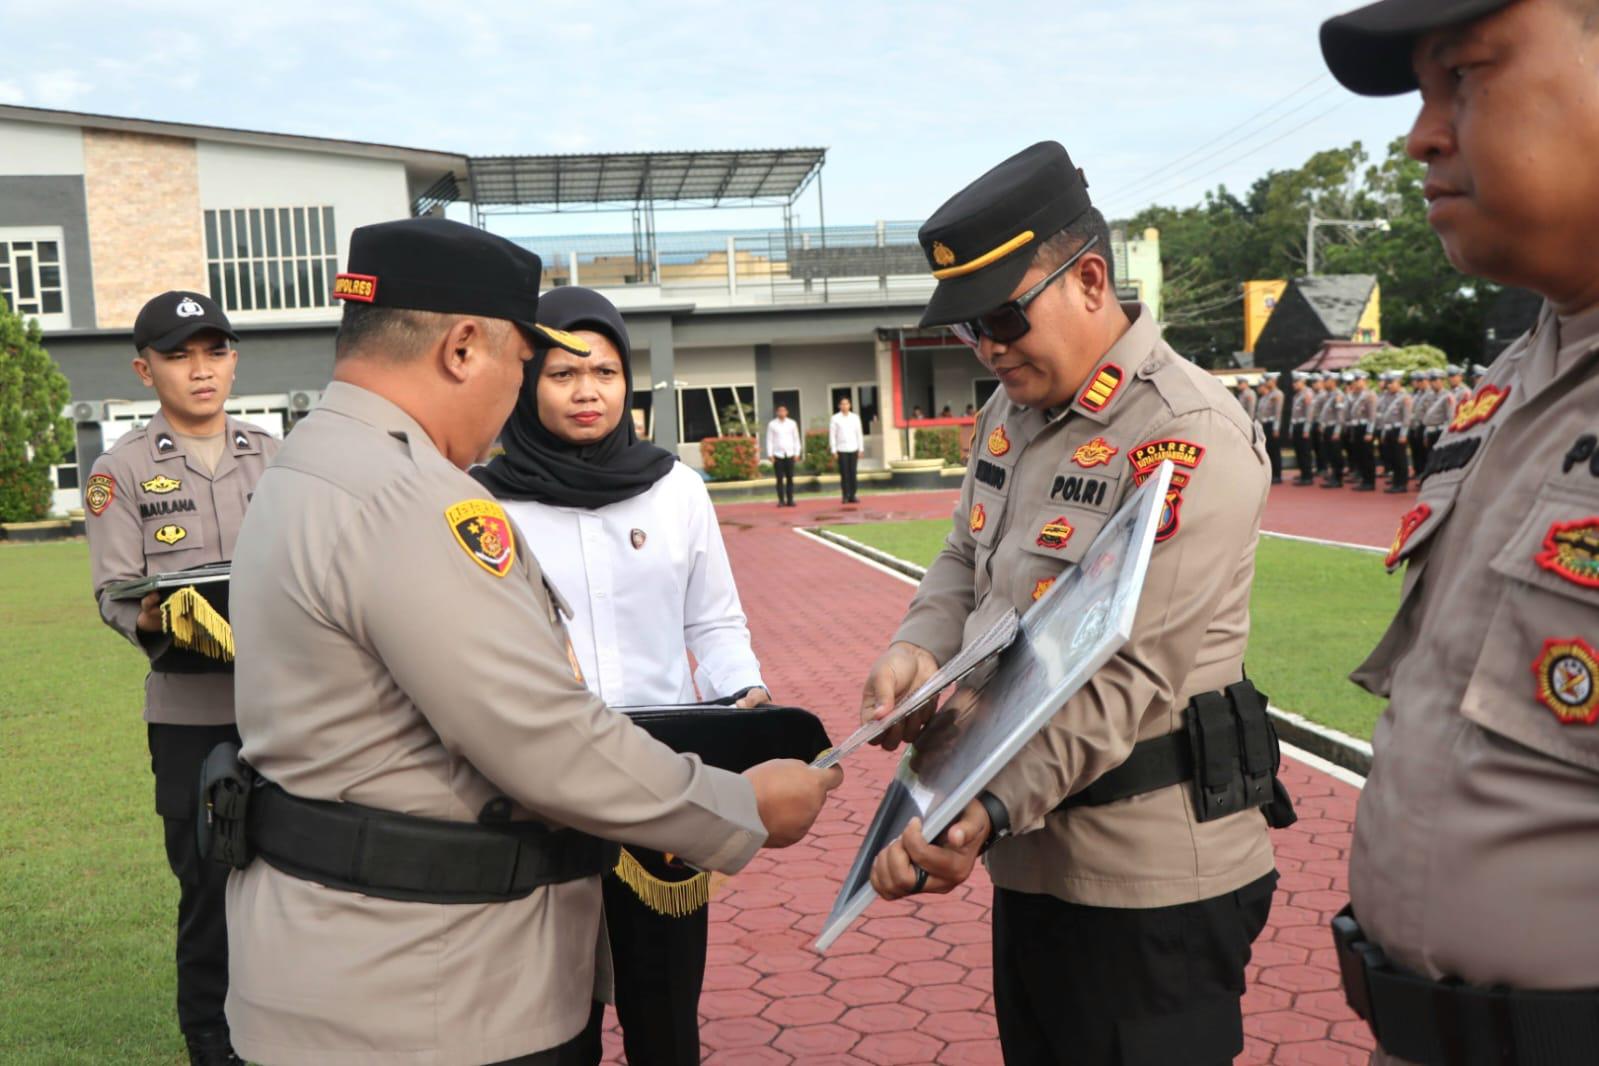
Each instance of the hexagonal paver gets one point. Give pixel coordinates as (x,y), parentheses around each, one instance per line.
(912,950)
(957,1025)
(748,1056)
(934,971)
(733,1003)
(936,999)
(803,1010)
(725,1033)
(808,1042)
(1319,1053)
(799,983)
(882,1018)
(844,967)
(1284,1026)
(971,1053)
(1299,978)
(899,1049)
(868,990)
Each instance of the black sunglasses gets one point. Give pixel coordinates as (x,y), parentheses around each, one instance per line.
(1008,322)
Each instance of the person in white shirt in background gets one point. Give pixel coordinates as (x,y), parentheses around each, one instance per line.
(629,537)
(783,447)
(844,439)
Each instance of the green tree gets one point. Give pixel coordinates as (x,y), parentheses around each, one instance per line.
(33,433)
(1413,357)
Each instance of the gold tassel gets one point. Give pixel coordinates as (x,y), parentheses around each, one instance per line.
(196,625)
(676,899)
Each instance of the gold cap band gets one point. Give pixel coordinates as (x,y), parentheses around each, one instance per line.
(986,258)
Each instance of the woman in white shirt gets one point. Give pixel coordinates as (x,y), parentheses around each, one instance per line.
(629,537)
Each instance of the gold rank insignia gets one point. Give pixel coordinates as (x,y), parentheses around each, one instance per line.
(99,493)
(160,485)
(484,533)
(1565,671)
(170,534)
(1102,388)
(1042,587)
(942,256)
(998,442)
(978,519)
(1095,453)
(1571,549)
(1480,408)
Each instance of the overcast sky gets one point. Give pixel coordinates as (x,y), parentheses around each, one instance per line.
(1157,100)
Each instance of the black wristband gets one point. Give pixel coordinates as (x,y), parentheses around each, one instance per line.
(998,819)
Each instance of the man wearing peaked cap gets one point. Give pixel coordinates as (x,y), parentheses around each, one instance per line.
(1473,933)
(167,496)
(437,787)
(1094,854)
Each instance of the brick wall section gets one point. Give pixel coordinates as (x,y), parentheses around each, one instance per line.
(143,197)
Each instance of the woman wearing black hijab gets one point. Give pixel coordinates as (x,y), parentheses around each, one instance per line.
(629,537)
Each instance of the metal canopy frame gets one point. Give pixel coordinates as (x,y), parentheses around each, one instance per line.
(645,182)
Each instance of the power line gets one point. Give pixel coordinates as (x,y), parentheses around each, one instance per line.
(1156,177)
(1169,189)
(1231,130)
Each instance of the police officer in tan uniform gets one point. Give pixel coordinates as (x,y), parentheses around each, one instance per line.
(1299,425)
(1440,412)
(1415,435)
(1095,854)
(168,496)
(437,777)
(1323,384)
(1269,416)
(1474,931)
(1360,426)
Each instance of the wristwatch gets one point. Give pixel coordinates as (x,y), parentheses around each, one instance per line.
(998,819)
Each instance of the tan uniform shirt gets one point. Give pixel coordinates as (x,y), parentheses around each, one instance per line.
(1299,414)
(1270,409)
(151,507)
(384,661)
(1362,411)
(1028,472)
(1249,399)
(1320,406)
(1440,410)
(1476,843)
(1420,399)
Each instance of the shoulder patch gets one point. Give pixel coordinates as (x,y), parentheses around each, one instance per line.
(1102,387)
(160,485)
(1094,453)
(1147,456)
(99,492)
(1571,550)
(484,533)
(1566,670)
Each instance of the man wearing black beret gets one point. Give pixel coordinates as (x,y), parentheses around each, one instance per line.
(1473,933)
(1127,894)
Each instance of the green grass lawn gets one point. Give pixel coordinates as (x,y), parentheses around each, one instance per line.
(1316,612)
(86,902)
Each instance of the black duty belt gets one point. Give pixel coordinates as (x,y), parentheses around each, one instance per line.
(1447,1023)
(1227,748)
(406,857)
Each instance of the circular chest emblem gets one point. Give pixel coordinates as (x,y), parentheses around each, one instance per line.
(1565,671)
(998,442)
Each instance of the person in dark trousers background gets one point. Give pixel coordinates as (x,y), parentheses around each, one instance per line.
(784,446)
(845,439)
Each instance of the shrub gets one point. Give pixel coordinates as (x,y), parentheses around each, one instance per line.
(943,442)
(1415,357)
(818,456)
(729,458)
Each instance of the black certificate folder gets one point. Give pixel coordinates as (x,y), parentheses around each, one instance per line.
(732,738)
(194,612)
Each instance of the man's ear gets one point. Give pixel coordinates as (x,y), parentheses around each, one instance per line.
(462,347)
(141,367)
(1095,280)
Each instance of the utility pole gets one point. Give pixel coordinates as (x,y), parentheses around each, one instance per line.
(1380,224)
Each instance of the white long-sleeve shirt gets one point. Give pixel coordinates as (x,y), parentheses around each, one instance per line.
(844,432)
(649,582)
(783,439)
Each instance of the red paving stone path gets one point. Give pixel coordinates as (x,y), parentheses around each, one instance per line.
(912,982)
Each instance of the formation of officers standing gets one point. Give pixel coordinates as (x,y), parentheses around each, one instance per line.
(1347,431)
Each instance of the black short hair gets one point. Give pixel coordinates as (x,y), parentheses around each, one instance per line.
(1060,247)
(393,333)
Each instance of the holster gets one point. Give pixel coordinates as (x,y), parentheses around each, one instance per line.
(226,784)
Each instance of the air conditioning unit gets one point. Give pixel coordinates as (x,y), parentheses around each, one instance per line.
(302,400)
(84,411)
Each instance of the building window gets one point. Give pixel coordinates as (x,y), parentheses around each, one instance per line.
(33,279)
(271,258)
(715,411)
(66,472)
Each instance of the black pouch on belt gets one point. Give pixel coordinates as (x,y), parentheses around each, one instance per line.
(1236,756)
(225,786)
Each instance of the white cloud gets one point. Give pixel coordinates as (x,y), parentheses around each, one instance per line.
(11,93)
(59,88)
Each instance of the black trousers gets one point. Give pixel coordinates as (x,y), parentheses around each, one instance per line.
(1302,456)
(1416,438)
(1335,453)
(1274,450)
(1097,985)
(1398,463)
(1318,448)
(660,966)
(783,469)
(176,752)
(584,1049)
(846,474)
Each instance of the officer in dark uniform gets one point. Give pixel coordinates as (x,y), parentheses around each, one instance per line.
(169,496)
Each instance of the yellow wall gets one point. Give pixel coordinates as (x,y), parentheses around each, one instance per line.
(1371,318)
(1260,299)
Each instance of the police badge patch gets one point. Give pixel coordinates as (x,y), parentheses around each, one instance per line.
(484,533)
(160,485)
(1096,452)
(1055,535)
(998,442)
(171,534)
(978,518)
(98,494)
(1565,671)
(1571,549)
